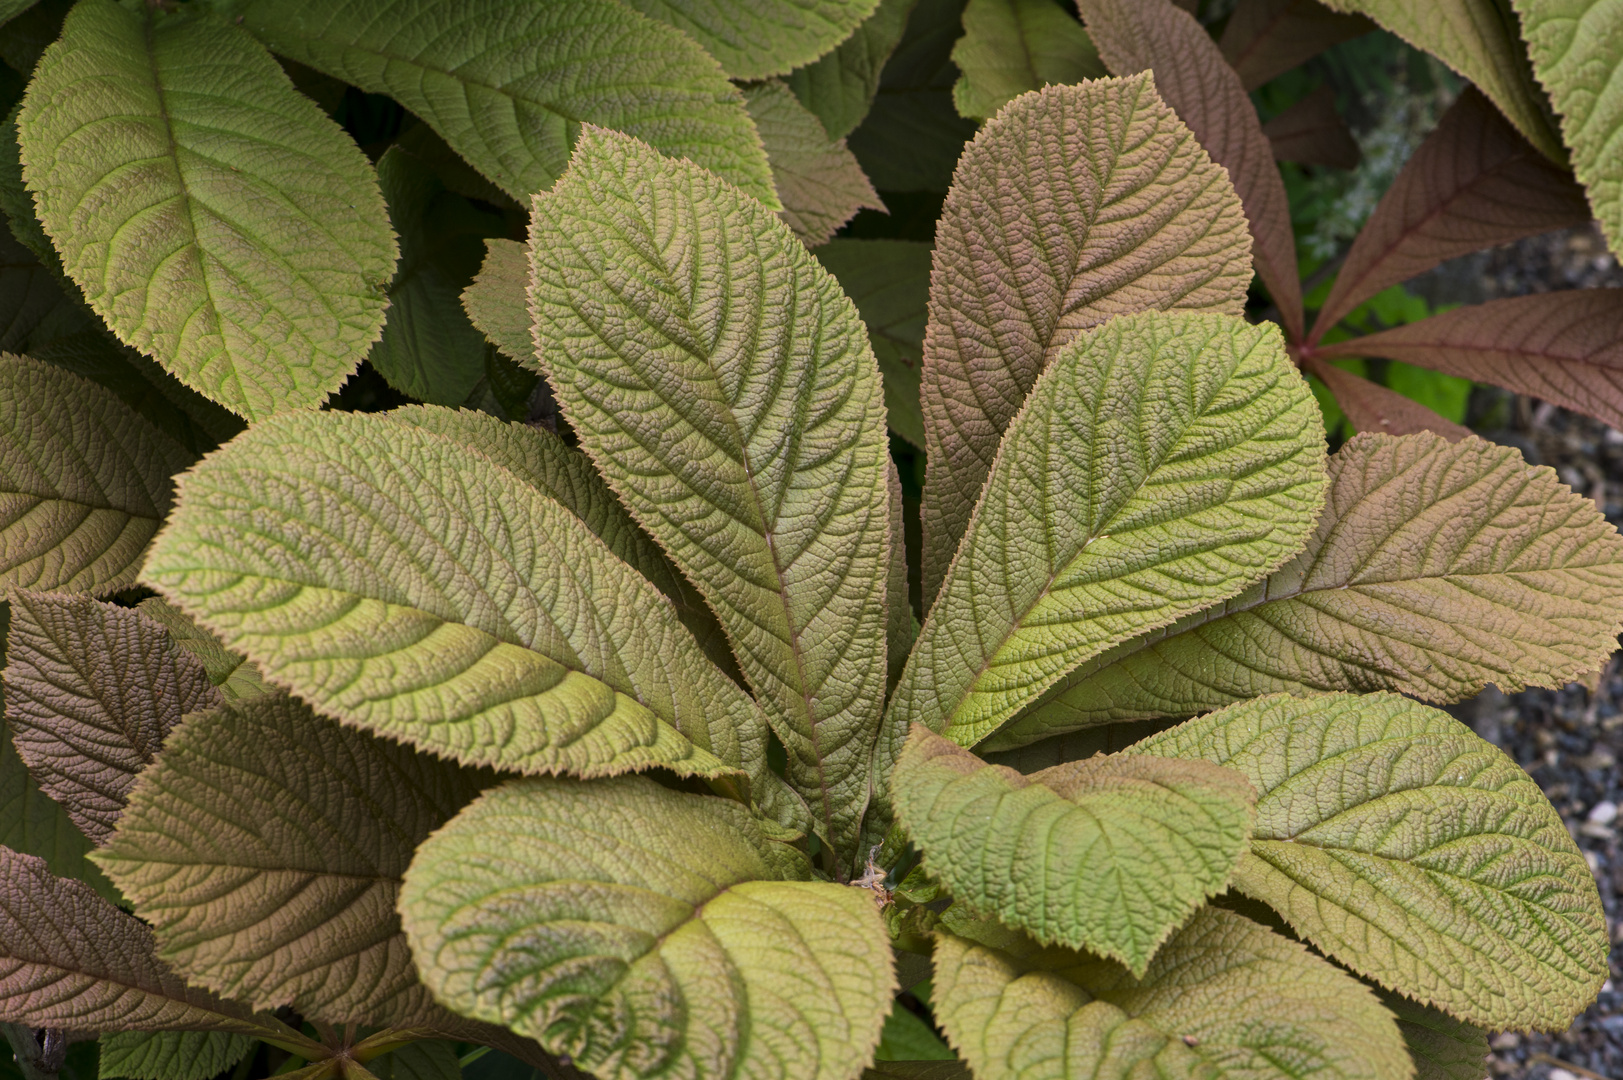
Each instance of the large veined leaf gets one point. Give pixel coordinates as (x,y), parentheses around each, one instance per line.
(435,597)
(1011,47)
(1162,463)
(1436,569)
(818,181)
(1371,407)
(91,690)
(32,823)
(764,37)
(497,302)
(1573,46)
(213,216)
(889,281)
(1397,841)
(1563,347)
(723,385)
(266,848)
(1264,38)
(1224,998)
(84,482)
(1075,204)
(231,673)
(1474,183)
(507,83)
(171,1055)
(647,932)
(1098,854)
(1441,1047)
(839,86)
(1191,74)
(1481,40)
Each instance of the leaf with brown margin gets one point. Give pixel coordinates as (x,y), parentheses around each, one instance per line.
(91,691)
(1474,183)
(1436,569)
(1011,47)
(1264,38)
(266,848)
(1311,132)
(818,180)
(1074,204)
(1563,347)
(1198,83)
(1373,408)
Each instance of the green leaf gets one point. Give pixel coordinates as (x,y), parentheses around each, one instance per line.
(1436,569)
(764,37)
(643,931)
(497,302)
(724,387)
(819,183)
(171,1055)
(214,217)
(91,692)
(917,1070)
(1441,1047)
(1161,464)
(1481,40)
(231,673)
(839,87)
(414,587)
(32,823)
(1574,50)
(10,9)
(266,849)
(905,1037)
(889,281)
(1011,47)
(434,1059)
(84,482)
(429,349)
(1138,849)
(1033,250)
(507,84)
(1224,998)
(1412,851)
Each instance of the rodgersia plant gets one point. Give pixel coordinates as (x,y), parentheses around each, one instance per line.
(612,741)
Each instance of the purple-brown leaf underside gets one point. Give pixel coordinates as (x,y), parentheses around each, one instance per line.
(1193,77)
(1371,407)
(1311,132)
(1474,183)
(1074,204)
(91,689)
(1264,38)
(1565,348)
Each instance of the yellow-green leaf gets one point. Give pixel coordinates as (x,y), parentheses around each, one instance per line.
(1011,47)
(761,38)
(818,180)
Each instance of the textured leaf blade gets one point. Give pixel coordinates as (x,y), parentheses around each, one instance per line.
(1264,38)
(231,673)
(1442,1047)
(1435,570)
(839,87)
(1311,132)
(1032,250)
(435,597)
(1161,464)
(1406,847)
(818,181)
(1371,407)
(84,482)
(1191,74)
(724,387)
(917,1070)
(503,82)
(32,823)
(1474,183)
(266,848)
(1011,47)
(496,301)
(171,1055)
(766,37)
(1151,845)
(1223,998)
(213,216)
(91,691)
(639,930)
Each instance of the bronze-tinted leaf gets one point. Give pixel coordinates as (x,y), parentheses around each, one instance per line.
(1475,182)
(1311,132)
(818,180)
(1372,407)
(1198,83)
(1264,38)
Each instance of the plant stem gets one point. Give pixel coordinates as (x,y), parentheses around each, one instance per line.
(35,1061)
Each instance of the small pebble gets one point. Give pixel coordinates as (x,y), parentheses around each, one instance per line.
(1603,813)
(1506,1040)
(1562,1074)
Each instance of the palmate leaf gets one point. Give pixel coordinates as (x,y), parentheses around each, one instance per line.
(1099,854)
(1073,205)
(1162,463)
(171,1055)
(1224,998)
(818,181)
(1371,407)
(1265,38)
(1573,46)
(507,83)
(646,932)
(266,848)
(1011,47)
(84,482)
(1435,570)
(1404,846)
(91,691)
(231,673)
(724,387)
(765,37)
(839,86)
(404,583)
(213,216)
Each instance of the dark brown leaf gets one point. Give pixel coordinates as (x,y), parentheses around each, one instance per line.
(1370,407)
(1311,132)
(1264,38)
